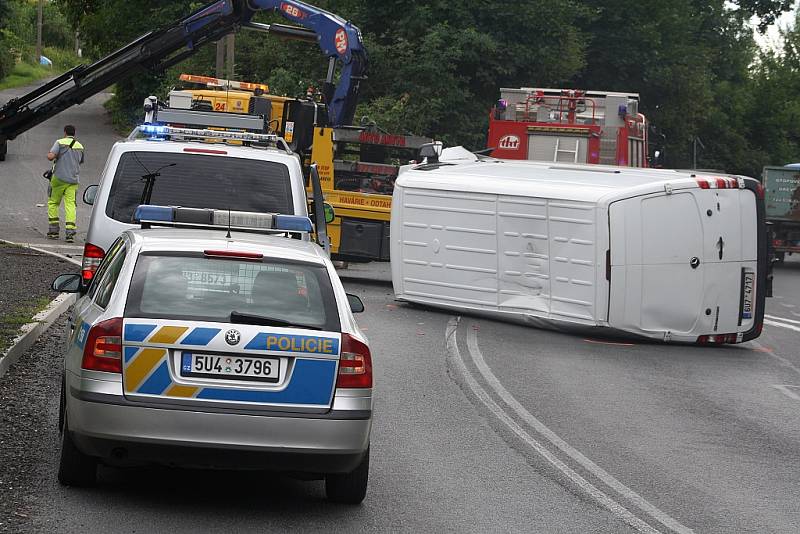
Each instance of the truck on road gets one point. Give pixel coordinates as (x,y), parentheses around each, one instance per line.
(782,200)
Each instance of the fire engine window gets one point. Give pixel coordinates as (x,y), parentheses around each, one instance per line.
(199,181)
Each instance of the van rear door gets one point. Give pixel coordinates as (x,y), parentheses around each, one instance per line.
(686,264)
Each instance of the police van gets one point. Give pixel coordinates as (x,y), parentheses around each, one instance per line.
(217,342)
(662,254)
(193,159)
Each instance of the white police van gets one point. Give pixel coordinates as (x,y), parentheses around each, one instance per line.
(209,160)
(209,345)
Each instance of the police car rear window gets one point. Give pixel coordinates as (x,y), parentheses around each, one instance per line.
(210,289)
(199,181)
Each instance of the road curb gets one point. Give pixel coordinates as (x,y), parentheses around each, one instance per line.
(31,331)
(41,321)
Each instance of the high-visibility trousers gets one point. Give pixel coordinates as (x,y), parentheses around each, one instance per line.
(67,191)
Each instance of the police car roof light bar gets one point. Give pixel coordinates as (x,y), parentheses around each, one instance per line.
(148,215)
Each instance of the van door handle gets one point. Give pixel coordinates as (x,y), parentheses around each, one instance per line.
(721,246)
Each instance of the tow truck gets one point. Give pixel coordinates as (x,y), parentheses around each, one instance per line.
(357,164)
(339,40)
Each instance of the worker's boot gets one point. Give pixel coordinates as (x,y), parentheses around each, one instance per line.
(52,231)
(69,236)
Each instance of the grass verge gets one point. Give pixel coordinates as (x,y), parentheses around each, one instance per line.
(25,74)
(12,320)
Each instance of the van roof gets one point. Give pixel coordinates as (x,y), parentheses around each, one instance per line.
(588,183)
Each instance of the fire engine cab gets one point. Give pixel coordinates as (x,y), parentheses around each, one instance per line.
(568,126)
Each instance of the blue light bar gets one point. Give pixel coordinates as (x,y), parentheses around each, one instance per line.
(293,223)
(147,212)
(153,129)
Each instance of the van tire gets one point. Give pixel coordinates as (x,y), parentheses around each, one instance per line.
(75,468)
(349,488)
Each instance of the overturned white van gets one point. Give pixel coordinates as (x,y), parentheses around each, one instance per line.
(662,254)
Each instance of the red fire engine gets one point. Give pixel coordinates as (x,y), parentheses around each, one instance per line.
(569,126)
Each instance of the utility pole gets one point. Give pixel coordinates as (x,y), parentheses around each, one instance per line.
(231,45)
(696,142)
(39,17)
(220,57)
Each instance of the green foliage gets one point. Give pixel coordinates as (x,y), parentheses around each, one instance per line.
(436,67)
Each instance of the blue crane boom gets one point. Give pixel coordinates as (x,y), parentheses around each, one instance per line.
(339,40)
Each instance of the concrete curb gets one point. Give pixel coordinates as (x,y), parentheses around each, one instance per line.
(32,331)
(40,322)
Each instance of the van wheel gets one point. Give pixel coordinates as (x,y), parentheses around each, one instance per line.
(74,467)
(349,488)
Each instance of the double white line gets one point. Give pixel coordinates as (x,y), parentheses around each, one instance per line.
(789,324)
(506,416)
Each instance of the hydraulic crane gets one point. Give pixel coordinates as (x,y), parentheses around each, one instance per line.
(339,40)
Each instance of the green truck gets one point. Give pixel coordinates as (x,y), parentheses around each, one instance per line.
(782,200)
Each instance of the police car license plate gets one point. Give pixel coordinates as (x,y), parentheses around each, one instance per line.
(230,367)
(748,288)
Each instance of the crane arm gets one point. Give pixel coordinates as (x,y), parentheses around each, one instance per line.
(159,49)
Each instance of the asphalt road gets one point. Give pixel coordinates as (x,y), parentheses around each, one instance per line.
(485,426)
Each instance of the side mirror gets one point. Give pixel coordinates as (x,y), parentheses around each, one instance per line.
(356,306)
(67,283)
(90,194)
(330,214)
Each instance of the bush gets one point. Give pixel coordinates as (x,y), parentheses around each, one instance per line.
(6,59)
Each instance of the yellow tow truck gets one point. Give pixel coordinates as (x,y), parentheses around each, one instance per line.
(357,165)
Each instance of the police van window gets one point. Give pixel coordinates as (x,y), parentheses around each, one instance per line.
(209,289)
(105,288)
(199,181)
(101,270)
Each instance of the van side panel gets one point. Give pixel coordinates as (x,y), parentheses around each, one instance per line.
(519,255)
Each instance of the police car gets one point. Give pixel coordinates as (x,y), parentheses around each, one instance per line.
(211,344)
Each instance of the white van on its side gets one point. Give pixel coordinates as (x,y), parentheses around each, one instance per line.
(662,254)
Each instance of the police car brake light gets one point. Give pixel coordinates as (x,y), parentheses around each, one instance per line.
(102,350)
(355,364)
(233,254)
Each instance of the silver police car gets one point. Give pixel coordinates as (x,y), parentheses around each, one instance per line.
(193,348)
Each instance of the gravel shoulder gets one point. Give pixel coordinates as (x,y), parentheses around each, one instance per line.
(28,419)
(25,277)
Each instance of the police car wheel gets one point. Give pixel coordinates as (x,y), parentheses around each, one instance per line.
(74,467)
(349,488)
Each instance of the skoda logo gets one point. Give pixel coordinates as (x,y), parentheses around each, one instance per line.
(232,337)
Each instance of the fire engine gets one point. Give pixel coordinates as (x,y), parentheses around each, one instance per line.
(568,126)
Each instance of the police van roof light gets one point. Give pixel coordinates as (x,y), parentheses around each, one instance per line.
(293,223)
(153,213)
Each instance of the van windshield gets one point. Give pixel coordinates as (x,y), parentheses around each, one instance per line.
(199,181)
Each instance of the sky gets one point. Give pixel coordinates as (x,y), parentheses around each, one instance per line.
(771,39)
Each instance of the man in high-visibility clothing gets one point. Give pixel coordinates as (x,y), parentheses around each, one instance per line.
(67,157)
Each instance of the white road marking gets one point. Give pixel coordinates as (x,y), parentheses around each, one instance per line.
(788,392)
(566,448)
(601,498)
(776,318)
(782,325)
(787,305)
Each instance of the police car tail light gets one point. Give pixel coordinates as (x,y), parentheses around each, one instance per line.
(103,348)
(92,256)
(355,364)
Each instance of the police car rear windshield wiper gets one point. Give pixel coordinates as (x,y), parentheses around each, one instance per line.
(249,318)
